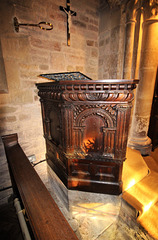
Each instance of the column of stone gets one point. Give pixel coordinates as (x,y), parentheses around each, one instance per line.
(129,45)
(136,61)
(144,96)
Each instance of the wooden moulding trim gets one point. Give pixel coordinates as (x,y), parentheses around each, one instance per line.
(104,81)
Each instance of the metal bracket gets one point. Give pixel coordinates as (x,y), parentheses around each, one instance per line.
(40,25)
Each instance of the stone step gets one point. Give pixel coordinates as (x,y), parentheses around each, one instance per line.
(132,172)
(144,193)
(143,196)
(149,220)
(151,162)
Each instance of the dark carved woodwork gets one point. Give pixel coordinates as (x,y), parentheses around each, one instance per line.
(86,127)
(45,218)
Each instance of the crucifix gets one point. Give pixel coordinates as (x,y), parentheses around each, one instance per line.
(69,14)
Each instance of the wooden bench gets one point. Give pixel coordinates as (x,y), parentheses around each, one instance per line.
(46,220)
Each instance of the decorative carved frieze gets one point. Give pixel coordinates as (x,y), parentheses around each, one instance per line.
(68,96)
(89,90)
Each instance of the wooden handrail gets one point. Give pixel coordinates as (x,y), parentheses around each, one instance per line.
(46,220)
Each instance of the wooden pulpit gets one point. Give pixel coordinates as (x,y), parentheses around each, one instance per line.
(86,126)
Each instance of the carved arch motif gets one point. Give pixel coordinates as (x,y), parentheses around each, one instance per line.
(97,112)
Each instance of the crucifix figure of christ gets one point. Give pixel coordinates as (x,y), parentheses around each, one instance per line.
(69,14)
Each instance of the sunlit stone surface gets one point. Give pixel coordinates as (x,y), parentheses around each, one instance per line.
(132,172)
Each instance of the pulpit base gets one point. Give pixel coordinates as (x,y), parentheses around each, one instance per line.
(88,175)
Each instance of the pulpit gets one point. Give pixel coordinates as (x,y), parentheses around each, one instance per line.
(86,126)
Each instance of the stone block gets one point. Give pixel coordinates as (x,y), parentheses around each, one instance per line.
(77,43)
(70,68)
(101,43)
(36,42)
(83,18)
(28,75)
(100,62)
(62,29)
(107,40)
(10,119)
(90,43)
(92,62)
(24,117)
(40,59)
(79,23)
(15,47)
(58,62)
(28,66)
(43,67)
(24,12)
(22,97)
(90,69)
(40,8)
(45,44)
(28,83)
(106,75)
(6,109)
(74,60)
(92,13)
(96,44)
(94,52)
(58,16)
(38,52)
(12,74)
(56,46)
(36,98)
(92,28)
(89,34)
(80,68)
(94,22)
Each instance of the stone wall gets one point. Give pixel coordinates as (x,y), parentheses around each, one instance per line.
(111,42)
(31,52)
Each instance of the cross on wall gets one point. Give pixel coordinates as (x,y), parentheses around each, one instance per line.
(69,14)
